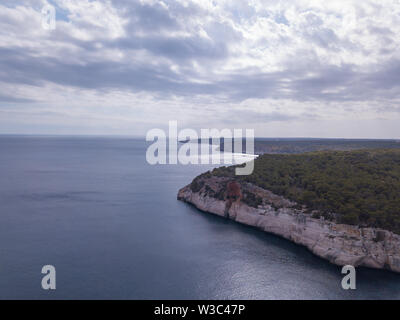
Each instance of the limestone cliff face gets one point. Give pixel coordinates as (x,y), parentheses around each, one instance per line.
(340,244)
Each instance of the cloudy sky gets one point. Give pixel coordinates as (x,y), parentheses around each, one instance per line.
(285,68)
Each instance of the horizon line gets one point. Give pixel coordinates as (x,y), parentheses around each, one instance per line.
(144,137)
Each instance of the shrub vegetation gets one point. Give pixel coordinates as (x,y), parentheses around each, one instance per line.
(359,187)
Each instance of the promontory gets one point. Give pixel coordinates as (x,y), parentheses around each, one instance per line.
(344,206)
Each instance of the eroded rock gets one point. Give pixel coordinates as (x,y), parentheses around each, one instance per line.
(338,243)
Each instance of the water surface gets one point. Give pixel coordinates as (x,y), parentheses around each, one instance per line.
(111,225)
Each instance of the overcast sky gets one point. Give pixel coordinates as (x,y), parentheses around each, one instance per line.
(284,68)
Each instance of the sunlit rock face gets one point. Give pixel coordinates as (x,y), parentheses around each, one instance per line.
(338,243)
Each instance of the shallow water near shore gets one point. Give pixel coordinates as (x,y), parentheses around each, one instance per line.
(111,225)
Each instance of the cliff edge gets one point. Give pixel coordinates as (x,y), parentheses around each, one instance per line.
(341,244)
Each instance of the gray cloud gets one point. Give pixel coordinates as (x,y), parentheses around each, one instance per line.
(177,51)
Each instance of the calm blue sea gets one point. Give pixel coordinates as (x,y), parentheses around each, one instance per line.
(111,225)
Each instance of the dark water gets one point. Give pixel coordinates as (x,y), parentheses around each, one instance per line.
(111,225)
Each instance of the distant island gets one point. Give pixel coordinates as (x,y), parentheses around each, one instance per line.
(343,205)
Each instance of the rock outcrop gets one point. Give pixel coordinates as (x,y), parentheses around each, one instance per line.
(338,243)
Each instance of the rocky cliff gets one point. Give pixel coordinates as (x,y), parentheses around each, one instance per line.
(248,204)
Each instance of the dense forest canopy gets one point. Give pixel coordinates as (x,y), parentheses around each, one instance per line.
(355,187)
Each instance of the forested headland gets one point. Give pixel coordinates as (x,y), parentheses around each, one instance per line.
(359,187)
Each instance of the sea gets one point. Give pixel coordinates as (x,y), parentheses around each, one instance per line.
(112,227)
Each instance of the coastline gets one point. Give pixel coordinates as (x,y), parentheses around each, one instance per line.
(340,244)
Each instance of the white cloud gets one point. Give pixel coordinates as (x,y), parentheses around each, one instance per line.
(121,63)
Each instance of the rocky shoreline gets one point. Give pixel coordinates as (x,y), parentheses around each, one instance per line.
(338,243)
